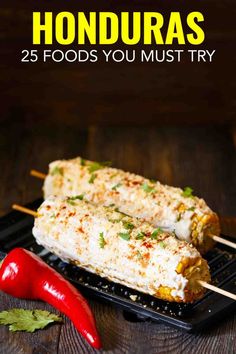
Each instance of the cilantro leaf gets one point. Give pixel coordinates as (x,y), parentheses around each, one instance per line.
(114,188)
(155,233)
(115,221)
(179,217)
(27,320)
(139,255)
(140,236)
(82,162)
(92,178)
(162,244)
(80,197)
(147,188)
(152,180)
(102,241)
(187,192)
(124,235)
(113,175)
(128,225)
(191,209)
(57,171)
(98,166)
(71,200)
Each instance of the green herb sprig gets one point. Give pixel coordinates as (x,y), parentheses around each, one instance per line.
(92,178)
(155,233)
(27,320)
(114,188)
(187,192)
(71,200)
(140,235)
(147,188)
(162,244)
(124,235)
(191,209)
(82,162)
(57,171)
(98,166)
(102,241)
(128,225)
(139,255)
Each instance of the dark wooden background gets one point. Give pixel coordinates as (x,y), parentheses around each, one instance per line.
(171,121)
(136,93)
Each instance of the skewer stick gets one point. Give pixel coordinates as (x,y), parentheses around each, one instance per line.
(24,210)
(201,282)
(38,174)
(217,290)
(222,240)
(41,175)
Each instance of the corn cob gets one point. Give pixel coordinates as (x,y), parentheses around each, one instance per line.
(123,249)
(168,207)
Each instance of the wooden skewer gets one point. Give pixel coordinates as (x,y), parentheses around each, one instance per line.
(201,282)
(217,290)
(24,210)
(41,175)
(38,174)
(222,240)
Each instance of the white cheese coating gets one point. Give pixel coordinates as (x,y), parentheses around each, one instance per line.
(113,245)
(160,205)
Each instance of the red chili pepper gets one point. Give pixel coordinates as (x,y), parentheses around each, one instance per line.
(25,275)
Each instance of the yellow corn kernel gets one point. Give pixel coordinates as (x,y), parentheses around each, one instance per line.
(182,265)
(165,293)
(180,268)
(181,208)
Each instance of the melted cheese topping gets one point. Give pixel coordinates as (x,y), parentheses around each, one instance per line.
(111,244)
(158,204)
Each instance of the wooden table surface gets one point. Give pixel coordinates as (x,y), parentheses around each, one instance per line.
(200,156)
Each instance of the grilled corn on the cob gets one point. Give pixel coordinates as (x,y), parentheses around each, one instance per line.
(171,208)
(123,249)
